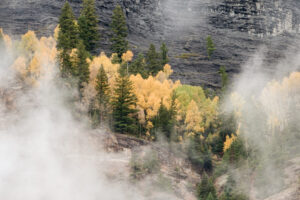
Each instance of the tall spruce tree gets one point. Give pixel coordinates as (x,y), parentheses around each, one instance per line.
(67,39)
(81,65)
(210,47)
(123,104)
(206,188)
(166,118)
(102,88)
(224,77)
(88,25)
(153,61)
(120,31)
(68,29)
(211,197)
(138,66)
(164,54)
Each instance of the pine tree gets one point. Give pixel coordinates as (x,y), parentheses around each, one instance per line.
(138,66)
(166,118)
(123,104)
(68,29)
(88,25)
(120,32)
(67,39)
(224,77)
(210,47)
(153,61)
(81,66)
(102,88)
(205,188)
(164,54)
(210,197)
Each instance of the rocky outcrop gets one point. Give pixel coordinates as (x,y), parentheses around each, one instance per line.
(238,28)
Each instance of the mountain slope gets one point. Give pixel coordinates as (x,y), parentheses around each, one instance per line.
(238,28)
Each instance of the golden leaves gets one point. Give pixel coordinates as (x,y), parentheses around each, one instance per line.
(127,57)
(193,119)
(228,142)
(150,92)
(37,58)
(110,68)
(197,111)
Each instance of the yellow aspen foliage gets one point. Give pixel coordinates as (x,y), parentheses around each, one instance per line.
(89,91)
(277,98)
(150,92)
(56,32)
(228,142)
(6,39)
(34,68)
(127,57)
(110,68)
(29,43)
(193,120)
(20,66)
(37,58)
(237,102)
(195,110)
(165,74)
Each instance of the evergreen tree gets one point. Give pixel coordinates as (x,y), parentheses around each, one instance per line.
(199,154)
(68,30)
(224,77)
(153,61)
(120,32)
(164,54)
(67,39)
(210,197)
(166,118)
(88,25)
(138,66)
(81,65)
(210,47)
(206,188)
(123,104)
(102,88)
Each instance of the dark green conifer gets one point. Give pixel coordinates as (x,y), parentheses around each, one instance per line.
(88,25)
(210,197)
(67,39)
(123,104)
(81,65)
(138,66)
(120,31)
(153,61)
(164,54)
(102,88)
(206,188)
(166,118)
(68,30)
(224,77)
(210,47)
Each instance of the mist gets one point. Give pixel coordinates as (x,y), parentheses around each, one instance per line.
(47,153)
(265,100)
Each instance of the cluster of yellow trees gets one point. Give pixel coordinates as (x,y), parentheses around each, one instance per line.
(277,100)
(37,58)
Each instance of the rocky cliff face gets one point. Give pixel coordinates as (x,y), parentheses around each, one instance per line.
(238,28)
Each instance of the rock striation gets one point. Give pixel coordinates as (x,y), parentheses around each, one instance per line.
(238,28)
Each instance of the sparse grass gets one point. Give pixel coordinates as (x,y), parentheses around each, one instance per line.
(187,55)
(144,165)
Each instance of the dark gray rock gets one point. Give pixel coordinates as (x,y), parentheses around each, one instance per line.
(238,28)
